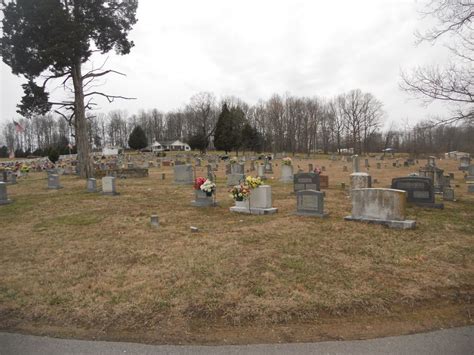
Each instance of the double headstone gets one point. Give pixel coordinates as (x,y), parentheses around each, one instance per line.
(183,174)
(360,181)
(306,181)
(310,203)
(259,202)
(420,190)
(380,206)
(464,162)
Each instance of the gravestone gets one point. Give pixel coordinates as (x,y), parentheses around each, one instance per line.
(3,194)
(355,164)
(286,173)
(379,166)
(366,163)
(344,169)
(310,168)
(91,185)
(197,162)
(261,172)
(448,194)
(4,176)
(323,168)
(12,178)
(203,200)
(108,186)
(237,168)
(183,174)
(360,181)
(420,190)
(324,181)
(310,203)
(235,179)
(53,182)
(380,206)
(260,202)
(464,163)
(268,168)
(228,169)
(252,165)
(470,173)
(306,181)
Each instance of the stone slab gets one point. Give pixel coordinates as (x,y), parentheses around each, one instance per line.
(406,224)
(257,211)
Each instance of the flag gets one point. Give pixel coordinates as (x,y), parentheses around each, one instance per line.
(18,127)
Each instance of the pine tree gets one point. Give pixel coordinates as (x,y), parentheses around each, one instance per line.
(223,135)
(137,139)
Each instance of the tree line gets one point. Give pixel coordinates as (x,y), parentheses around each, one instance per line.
(350,122)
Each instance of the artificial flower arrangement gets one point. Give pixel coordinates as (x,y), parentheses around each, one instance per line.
(286,161)
(205,185)
(233,160)
(252,182)
(240,192)
(24,169)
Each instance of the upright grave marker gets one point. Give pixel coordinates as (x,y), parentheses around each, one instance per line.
(183,174)
(310,203)
(420,190)
(380,206)
(108,186)
(53,182)
(306,181)
(3,194)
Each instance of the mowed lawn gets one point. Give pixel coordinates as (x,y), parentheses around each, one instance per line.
(88,265)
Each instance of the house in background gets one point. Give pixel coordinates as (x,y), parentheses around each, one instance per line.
(176,145)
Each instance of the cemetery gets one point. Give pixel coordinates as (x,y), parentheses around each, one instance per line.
(169,248)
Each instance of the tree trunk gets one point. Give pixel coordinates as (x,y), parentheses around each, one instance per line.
(82,140)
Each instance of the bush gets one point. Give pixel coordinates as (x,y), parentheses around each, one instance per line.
(137,139)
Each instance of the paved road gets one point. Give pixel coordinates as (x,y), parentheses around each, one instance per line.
(449,341)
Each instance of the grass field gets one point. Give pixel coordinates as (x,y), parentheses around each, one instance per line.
(90,266)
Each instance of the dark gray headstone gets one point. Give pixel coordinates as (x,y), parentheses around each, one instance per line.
(306,181)
(3,194)
(420,190)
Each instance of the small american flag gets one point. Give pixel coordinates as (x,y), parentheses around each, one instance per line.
(18,127)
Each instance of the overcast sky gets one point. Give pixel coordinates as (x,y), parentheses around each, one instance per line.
(253,49)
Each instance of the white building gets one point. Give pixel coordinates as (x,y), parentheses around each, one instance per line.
(176,145)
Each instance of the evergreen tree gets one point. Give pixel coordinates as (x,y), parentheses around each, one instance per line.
(223,135)
(137,139)
(4,152)
(198,141)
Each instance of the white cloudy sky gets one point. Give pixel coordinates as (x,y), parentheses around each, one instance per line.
(252,49)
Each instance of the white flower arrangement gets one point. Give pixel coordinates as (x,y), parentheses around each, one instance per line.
(208,187)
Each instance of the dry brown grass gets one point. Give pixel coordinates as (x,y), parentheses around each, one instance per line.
(74,260)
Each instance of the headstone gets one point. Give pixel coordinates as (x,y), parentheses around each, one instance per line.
(268,168)
(360,181)
(344,169)
(310,203)
(366,163)
(448,194)
(183,174)
(252,165)
(235,179)
(324,181)
(228,169)
(210,173)
(197,162)
(154,221)
(380,206)
(306,181)
(108,186)
(238,168)
(432,162)
(261,172)
(163,176)
(286,173)
(323,168)
(379,166)
(355,164)
(53,182)
(202,199)
(420,190)
(310,168)
(91,185)
(464,163)
(3,194)
(260,202)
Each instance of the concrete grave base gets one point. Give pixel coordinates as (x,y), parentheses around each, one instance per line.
(407,224)
(271,210)
(203,203)
(312,214)
(428,205)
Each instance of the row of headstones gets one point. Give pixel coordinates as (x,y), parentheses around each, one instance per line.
(108,184)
